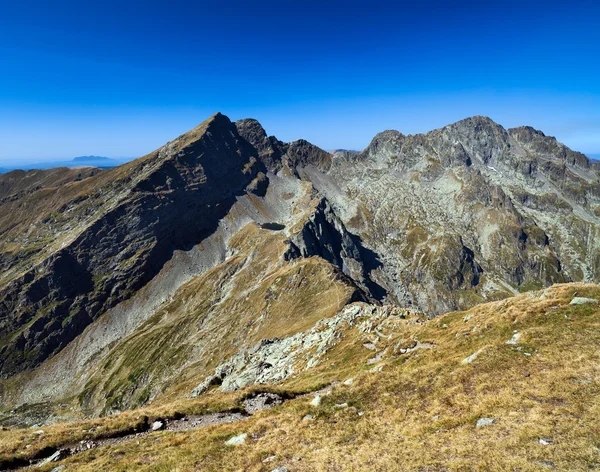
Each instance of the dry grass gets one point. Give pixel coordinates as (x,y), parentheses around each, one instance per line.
(252,296)
(420,410)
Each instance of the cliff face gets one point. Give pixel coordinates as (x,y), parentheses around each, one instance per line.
(226,229)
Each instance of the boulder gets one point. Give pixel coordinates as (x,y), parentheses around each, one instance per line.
(237,440)
(481,422)
(582,301)
(157,425)
(58,455)
(316,401)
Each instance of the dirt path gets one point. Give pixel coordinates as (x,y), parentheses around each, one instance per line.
(258,402)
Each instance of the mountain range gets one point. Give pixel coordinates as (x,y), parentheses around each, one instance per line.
(81,161)
(228,259)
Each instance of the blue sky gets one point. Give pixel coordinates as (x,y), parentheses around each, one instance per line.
(120,78)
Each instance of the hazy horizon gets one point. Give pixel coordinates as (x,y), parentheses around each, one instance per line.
(15,162)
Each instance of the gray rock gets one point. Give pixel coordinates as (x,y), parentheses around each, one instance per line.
(582,301)
(274,360)
(157,425)
(471,358)
(58,455)
(325,235)
(481,422)
(308,417)
(237,440)
(514,339)
(58,469)
(262,401)
(546,464)
(315,401)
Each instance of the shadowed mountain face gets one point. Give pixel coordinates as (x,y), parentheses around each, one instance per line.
(214,231)
(122,231)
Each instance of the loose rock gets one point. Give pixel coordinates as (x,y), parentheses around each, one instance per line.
(237,440)
(470,359)
(157,425)
(514,339)
(481,422)
(58,455)
(582,301)
(262,401)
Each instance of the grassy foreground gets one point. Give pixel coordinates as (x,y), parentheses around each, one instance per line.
(416,411)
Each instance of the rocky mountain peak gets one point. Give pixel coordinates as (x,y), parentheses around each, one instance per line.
(268,147)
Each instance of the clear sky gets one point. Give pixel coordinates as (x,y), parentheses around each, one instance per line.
(120,78)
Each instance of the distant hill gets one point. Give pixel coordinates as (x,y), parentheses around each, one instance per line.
(596,157)
(351,151)
(91,158)
(80,161)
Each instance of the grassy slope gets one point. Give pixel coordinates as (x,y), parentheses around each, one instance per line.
(419,411)
(19,182)
(252,296)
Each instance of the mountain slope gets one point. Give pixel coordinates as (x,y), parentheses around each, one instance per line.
(503,386)
(15,184)
(125,227)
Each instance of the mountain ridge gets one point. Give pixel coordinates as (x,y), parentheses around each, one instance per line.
(464,214)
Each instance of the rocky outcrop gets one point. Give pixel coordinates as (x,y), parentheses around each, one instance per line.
(274,360)
(277,155)
(547,147)
(325,235)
